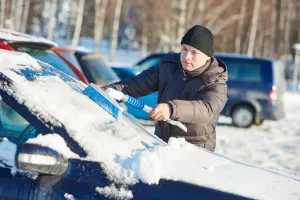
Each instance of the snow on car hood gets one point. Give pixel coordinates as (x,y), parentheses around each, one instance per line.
(128,151)
(10,35)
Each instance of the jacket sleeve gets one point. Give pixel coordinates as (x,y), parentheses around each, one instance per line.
(210,102)
(141,85)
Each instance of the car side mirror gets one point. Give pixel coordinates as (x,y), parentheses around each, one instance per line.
(40,159)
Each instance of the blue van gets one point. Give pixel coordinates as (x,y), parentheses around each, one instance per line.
(255,87)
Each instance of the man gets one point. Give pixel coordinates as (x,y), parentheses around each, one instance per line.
(191,88)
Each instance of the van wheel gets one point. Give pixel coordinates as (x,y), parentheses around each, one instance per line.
(242,116)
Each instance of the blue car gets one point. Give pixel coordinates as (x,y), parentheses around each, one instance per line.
(56,143)
(150,100)
(255,87)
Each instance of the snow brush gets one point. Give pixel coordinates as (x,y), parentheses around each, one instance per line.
(139,105)
(104,100)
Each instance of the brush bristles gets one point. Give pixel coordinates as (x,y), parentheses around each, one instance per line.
(102,99)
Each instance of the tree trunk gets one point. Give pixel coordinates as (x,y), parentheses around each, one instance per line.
(287,26)
(254,25)
(144,39)
(181,22)
(78,22)
(99,22)
(2,14)
(18,13)
(240,28)
(273,30)
(201,8)
(12,14)
(115,31)
(277,29)
(190,12)
(52,22)
(25,16)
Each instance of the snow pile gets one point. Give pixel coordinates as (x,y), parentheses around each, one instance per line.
(115,193)
(54,141)
(273,145)
(180,160)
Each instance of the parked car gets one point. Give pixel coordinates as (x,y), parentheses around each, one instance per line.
(66,146)
(40,48)
(255,87)
(150,100)
(95,68)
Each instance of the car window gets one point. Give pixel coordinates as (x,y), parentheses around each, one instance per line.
(49,57)
(122,74)
(13,126)
(71,57)
(240,70)
(97,71)
(150,62)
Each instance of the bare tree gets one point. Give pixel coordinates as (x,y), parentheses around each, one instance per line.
(116,24)
(240,28)
(25,16)
(254,25)
(18,13)
(201,8)
(190,12)
(52,18)
(12,14)
(2,14)
(181,20)
(78,22)
(287,26)
(99,22)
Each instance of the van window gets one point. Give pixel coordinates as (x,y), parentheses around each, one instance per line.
(241,70)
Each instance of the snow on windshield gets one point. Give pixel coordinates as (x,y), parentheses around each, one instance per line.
(130,154)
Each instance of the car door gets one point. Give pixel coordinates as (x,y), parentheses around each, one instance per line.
(78,182)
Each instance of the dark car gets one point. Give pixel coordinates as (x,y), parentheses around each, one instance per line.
(95,68)
(65,146)
(255,87)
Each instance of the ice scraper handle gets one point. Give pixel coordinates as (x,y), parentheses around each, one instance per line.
(139,105)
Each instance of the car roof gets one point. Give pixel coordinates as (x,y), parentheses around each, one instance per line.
(12,36)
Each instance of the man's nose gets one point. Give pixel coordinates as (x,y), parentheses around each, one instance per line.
(187,55)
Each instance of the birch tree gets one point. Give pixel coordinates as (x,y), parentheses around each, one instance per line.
(12,14)
(78,22)
(115,30)
(18,13)
(240,27)
(254,25)
(99,22)
(181,21)
(25,16)
(52,18)
(2,13)
(201,8)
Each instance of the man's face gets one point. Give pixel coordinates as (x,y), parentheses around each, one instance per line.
(192,58)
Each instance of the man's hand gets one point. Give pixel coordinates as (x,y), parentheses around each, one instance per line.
(161,112)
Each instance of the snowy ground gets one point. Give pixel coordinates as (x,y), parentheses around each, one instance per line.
(274,144)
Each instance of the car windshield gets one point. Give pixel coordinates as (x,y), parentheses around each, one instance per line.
(71,57)
(98,71)
(49,57)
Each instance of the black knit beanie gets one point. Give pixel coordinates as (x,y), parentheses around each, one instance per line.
(200,38)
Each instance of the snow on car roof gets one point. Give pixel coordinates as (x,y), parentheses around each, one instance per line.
(132,154)
(14,36)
